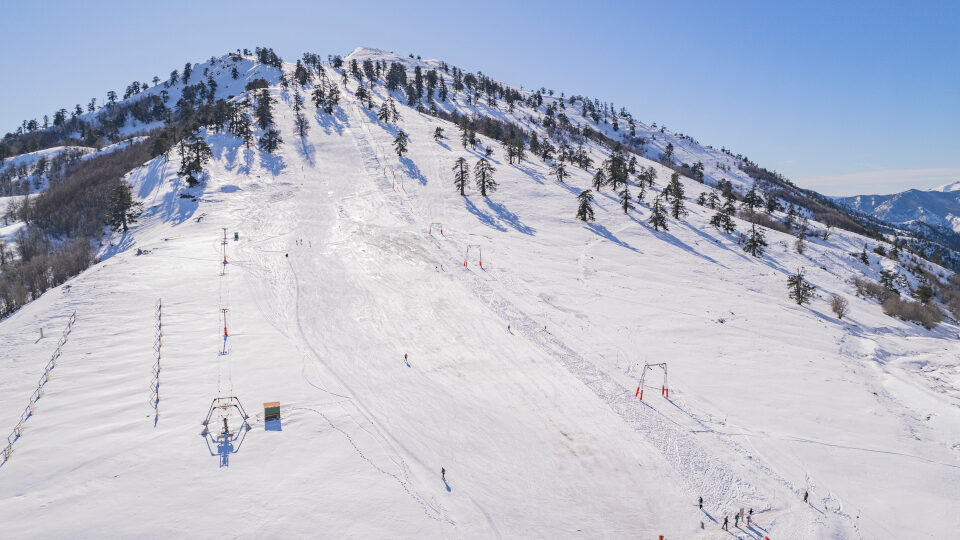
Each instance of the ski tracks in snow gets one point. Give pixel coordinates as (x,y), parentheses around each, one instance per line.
(699,469)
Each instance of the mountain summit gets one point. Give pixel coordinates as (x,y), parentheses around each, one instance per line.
(379,296)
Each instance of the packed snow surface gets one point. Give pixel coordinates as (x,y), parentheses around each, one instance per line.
(520,376)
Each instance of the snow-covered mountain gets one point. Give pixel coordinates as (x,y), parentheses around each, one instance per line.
(354,295)
(938,207)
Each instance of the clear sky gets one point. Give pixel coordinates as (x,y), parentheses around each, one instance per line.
(842,97)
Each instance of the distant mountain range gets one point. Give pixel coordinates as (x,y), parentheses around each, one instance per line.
(938,207)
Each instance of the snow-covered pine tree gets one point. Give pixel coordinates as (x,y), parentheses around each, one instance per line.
(625,200)
(123,211)
(559,171)
(756,242)
(658,216)
(799,289)
(599,179)
(483,174)
(461,175)
(400,143)
(270,141)
(585,208)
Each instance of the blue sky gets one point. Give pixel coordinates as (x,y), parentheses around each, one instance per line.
(842,97)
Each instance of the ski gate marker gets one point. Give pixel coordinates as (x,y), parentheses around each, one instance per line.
(439,227)
(470,249)
(664,390)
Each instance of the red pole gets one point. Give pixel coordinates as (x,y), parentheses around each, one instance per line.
(641,395)
(638,392)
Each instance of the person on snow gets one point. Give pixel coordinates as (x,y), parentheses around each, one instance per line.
(805,494)
(701,502)
(443,475)
(736,520)
(726,520)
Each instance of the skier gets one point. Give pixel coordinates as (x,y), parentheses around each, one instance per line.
(443,475)
(726,520)
(405,358)
(736,520)
(701,502)
(508,328)
(805,496)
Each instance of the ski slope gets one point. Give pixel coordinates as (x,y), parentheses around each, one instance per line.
(521,373)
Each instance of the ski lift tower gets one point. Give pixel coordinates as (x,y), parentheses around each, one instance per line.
(664,390)
(226,408)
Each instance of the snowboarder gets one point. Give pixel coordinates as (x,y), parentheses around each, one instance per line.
(701,502)
(726,520)
(805,494)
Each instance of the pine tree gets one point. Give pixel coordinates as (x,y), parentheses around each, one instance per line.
(461,175)
(752,200)
(483,174)
(675,191)
(616,166)
(393,109)
(319,96)
(123,211)
(712,200)
(333,99)
(559,171)
(799,289)
(585,209)
(773,204)
(756,243)
(263,112)
(300,121)
(626,202)
(658,217)
(270,141)
(194,154)
(464,135)
(383,114)
(666,157)
(723,219)
(864,258)
(400,143)
(702,198)
(648,176)
(697,170)
(438,134)
(599,180)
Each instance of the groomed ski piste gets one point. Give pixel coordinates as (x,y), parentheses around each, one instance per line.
(520,377)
